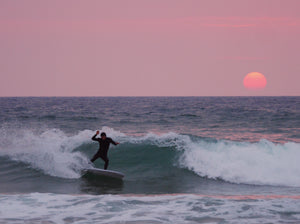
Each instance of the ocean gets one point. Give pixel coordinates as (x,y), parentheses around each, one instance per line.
(185,159)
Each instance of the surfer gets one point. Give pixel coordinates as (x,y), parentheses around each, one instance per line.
(104,143)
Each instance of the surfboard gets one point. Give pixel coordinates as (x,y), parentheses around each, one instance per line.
(105,173)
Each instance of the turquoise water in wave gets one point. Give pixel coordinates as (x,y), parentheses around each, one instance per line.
(187,159)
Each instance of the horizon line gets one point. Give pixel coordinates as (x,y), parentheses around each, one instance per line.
(147,96)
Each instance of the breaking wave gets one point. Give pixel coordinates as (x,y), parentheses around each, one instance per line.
(58,154)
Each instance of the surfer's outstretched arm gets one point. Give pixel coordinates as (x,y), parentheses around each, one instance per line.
(113,142)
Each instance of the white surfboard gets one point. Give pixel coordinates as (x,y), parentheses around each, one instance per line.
(106,173)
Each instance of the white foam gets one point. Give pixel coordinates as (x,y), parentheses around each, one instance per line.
(262,163)
(54,208)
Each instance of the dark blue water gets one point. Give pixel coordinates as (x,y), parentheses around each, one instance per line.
(190,147)
(236,118)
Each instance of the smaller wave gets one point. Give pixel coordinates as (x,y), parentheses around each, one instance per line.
(188,115)
(48,117)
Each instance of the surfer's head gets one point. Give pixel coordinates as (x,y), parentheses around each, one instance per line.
(103,135)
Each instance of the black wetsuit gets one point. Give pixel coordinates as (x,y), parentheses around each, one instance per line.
(103,149)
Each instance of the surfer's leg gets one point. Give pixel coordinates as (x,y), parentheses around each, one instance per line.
(106,164)
(106,160)
(96,156)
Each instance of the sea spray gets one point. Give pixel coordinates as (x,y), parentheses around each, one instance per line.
(50,151)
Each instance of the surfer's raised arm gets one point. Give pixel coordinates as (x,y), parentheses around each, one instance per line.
(94,137)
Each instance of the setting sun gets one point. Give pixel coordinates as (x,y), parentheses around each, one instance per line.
(255,80)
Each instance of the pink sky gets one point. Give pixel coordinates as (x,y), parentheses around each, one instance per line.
(148,48)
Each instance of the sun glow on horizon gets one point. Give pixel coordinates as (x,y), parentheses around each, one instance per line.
(255,80)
